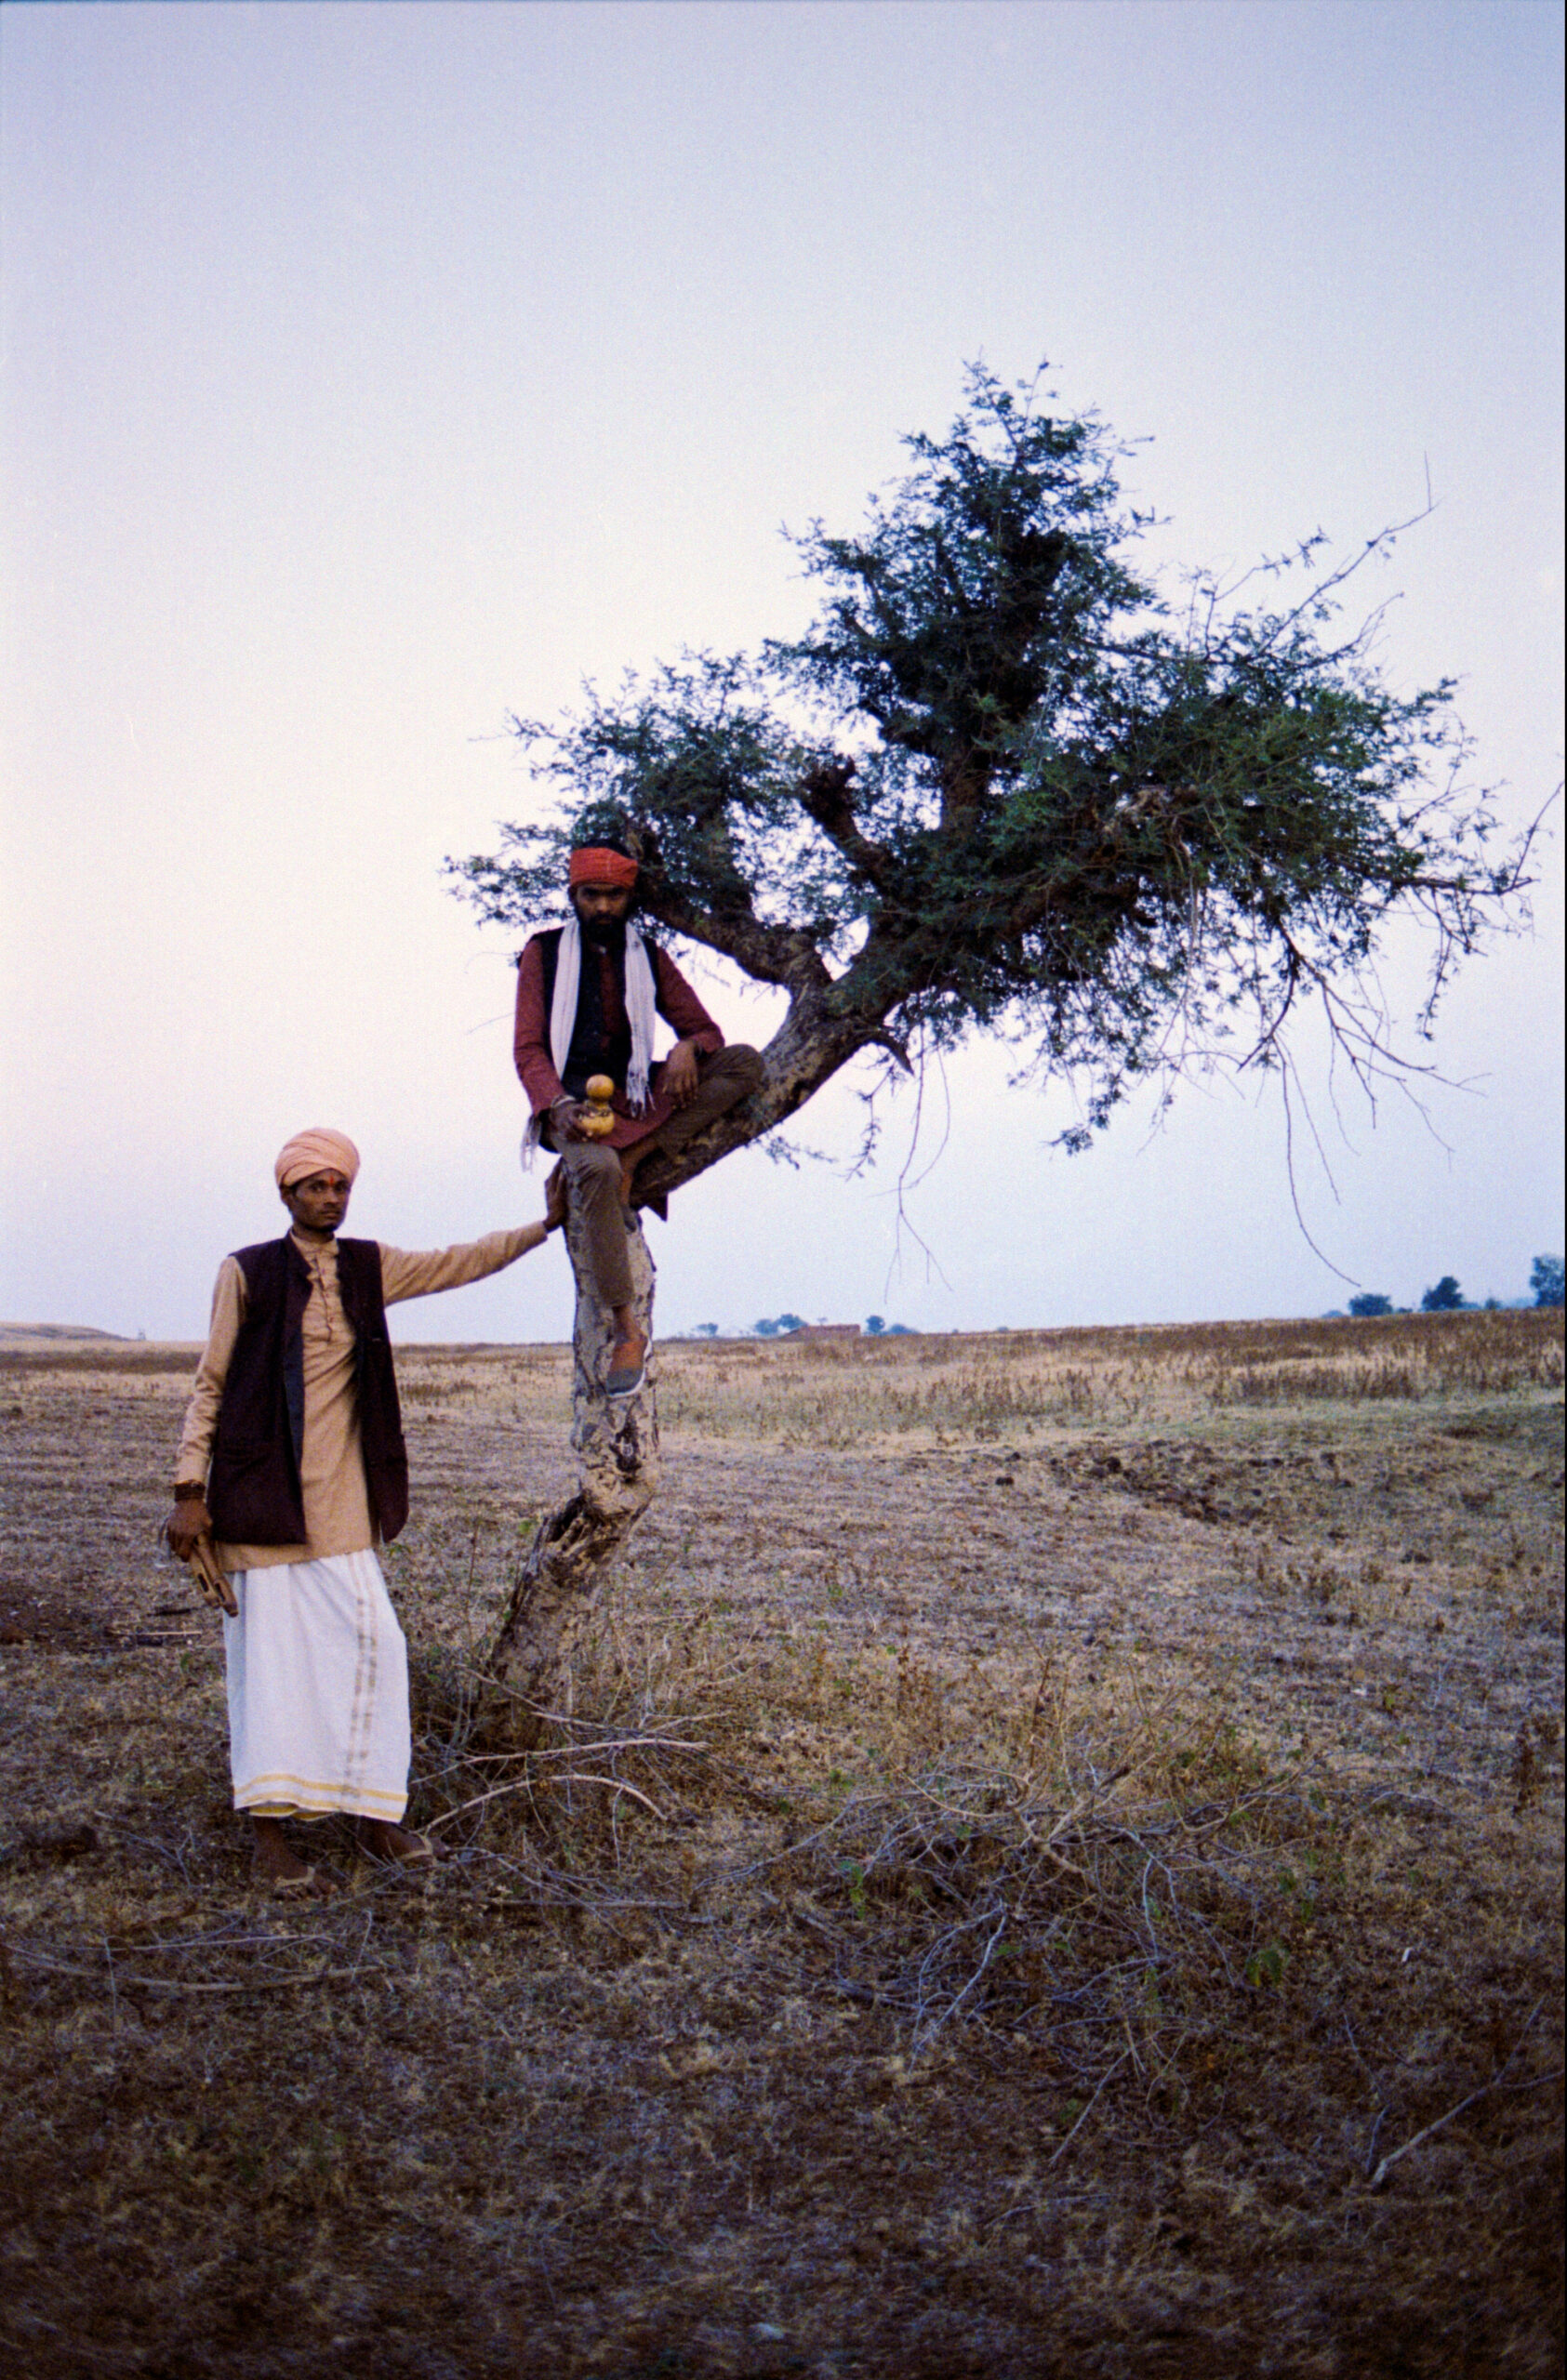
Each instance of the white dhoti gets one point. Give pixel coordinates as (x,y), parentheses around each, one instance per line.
(318,1691)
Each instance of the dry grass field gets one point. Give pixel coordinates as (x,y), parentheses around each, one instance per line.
(1052,1866)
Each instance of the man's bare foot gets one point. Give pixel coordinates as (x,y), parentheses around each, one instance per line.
(397,1844)
(628,1365)
(278,1868)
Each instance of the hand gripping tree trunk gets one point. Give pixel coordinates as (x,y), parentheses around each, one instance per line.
(565,1566)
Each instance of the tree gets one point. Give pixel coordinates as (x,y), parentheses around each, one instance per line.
(874,1326)
(1369,1305)
(1002,786)
(1546,1280)
(1446,1297)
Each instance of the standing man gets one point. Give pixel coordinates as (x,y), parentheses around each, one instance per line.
(292,1458)
(588,993)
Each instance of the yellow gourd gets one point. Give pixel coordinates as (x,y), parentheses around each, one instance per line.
(598,1117)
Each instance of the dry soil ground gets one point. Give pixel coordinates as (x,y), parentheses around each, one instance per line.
(1052,1866)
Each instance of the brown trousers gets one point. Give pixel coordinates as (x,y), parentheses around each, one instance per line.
(593,1167)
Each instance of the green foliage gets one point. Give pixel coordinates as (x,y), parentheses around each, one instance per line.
(1003,785)
(1370,1305)
(1546,1280)
(1446,1297)
(853,1874)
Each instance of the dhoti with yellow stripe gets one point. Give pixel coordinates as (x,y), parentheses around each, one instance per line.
(318,1691)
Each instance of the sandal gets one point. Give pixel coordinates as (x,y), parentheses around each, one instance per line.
(423,1854)
(312,1885)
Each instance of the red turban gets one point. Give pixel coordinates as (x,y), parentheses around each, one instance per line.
(315,1152)
(593,865)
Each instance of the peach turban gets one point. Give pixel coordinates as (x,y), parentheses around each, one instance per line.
(315,1152)
(592,864)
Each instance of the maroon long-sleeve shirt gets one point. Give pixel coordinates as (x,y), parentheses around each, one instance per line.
(676,1003)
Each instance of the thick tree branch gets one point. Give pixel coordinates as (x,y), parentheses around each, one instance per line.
(824,793)
(782,955)
(808,1049)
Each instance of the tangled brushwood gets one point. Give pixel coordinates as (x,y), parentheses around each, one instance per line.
(1113,1913)
(1108,1895)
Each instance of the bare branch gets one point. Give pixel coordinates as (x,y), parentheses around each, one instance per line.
(781,954)
(1485,2089)
(824,793)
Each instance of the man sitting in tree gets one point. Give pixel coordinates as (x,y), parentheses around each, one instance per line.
(292,1458)
(588,993)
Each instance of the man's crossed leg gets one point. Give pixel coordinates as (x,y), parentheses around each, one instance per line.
(601,1180)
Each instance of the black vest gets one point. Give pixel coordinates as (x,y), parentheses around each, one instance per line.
(594,1050)
(253,1488)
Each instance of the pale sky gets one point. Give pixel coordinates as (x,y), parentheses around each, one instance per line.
(374,371)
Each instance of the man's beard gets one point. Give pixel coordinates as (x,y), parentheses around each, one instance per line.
(604,933)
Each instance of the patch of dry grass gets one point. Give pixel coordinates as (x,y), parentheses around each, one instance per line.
(976,1387)
(1012,1872)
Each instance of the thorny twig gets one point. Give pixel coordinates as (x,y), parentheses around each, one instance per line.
(161,1984)
(1108,2076)
(1425,2132)
(923,2034)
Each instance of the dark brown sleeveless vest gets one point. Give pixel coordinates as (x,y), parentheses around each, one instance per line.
(253,1488)
(594,1050)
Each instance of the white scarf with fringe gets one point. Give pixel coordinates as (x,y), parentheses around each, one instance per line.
(641,1011)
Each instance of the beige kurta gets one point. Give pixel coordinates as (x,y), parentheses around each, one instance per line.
(332,1469)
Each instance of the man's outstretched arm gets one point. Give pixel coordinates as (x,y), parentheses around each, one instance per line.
(421,1274)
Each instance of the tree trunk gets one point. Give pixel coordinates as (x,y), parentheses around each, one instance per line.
(807,1050)
(565,1566)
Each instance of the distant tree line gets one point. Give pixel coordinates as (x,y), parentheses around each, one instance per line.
(779,1325)
(875,1326)
(1446,1296)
